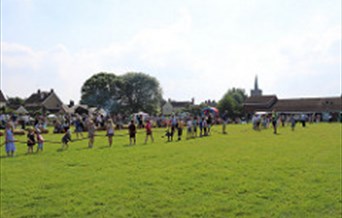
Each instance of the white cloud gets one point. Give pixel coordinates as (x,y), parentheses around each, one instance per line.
(185,68)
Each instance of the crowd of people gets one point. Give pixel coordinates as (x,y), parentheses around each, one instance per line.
(175,127)
(195,126)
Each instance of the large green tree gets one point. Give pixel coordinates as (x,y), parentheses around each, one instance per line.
(232,102)
(140,92)
(131,92)
(102,90)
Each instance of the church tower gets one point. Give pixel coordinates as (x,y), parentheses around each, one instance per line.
(256,91)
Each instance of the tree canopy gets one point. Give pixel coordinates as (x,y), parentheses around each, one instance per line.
(232,102)
(140,92)
(101,90)
(131,92)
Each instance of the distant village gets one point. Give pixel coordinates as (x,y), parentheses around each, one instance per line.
(48,102)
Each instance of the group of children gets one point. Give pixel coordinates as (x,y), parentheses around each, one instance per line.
(192,124)
(33,137)
(274,119)
(174,124)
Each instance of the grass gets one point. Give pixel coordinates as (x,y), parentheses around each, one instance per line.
(243,174)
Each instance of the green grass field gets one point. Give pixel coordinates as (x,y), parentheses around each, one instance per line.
(243,174)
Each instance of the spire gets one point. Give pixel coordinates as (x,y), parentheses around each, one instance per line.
(256,91)
(256,87)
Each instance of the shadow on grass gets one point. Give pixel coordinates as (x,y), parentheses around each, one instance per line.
(104,147)
(83,148)
(61,149)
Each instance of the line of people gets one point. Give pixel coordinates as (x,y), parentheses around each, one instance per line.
(34,136)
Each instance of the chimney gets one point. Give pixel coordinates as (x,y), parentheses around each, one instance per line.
(72,103)
(38,91)
(51,91)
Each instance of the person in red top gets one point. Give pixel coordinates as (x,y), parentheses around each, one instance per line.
(148,128)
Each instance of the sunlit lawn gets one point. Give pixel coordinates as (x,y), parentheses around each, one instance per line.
(245,173)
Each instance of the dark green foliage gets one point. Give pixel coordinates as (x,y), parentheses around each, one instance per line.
(140,92)
(126,94)
(232,102)
(101,90)
(15,102)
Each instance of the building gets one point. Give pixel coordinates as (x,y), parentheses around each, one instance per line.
(176,106)
(256,91)
(324,106)
(259,103)
(43,102)
(3,100)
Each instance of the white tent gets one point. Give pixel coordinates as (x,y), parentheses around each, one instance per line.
(21,110)
(52,116)
(143,114)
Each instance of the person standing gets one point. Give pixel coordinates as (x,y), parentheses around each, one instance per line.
(293,122)
(209,123)
(110,131)
(189,128)
(148,128)
(40,140)
(9,140)
(224,122)
(303,119)
(274,121)
(66,138)
(180,126)
(78,127)
(132,132)
(91,133)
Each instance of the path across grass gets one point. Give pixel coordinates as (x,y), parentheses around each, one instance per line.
(243,174)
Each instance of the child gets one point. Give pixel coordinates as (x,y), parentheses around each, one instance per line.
(201,126)
(40,140)
(180,126)
(91,133)
(148,128)
(66,138)
(194,124)
(78,127)
(293,122)
(174,123)
(274,121)
(9,140)
(209,123)
(132,132)
(205,126)
(168,134)
(30,141)
(189,127)
(110,132)
(224,122)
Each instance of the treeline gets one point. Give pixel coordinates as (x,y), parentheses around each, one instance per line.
(133,92)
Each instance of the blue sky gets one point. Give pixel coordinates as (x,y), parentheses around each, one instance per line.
(195,48)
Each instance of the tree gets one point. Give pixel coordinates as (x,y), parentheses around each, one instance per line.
(140,92)
(232,102)
(131,92)
(15,102)
(102,90)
